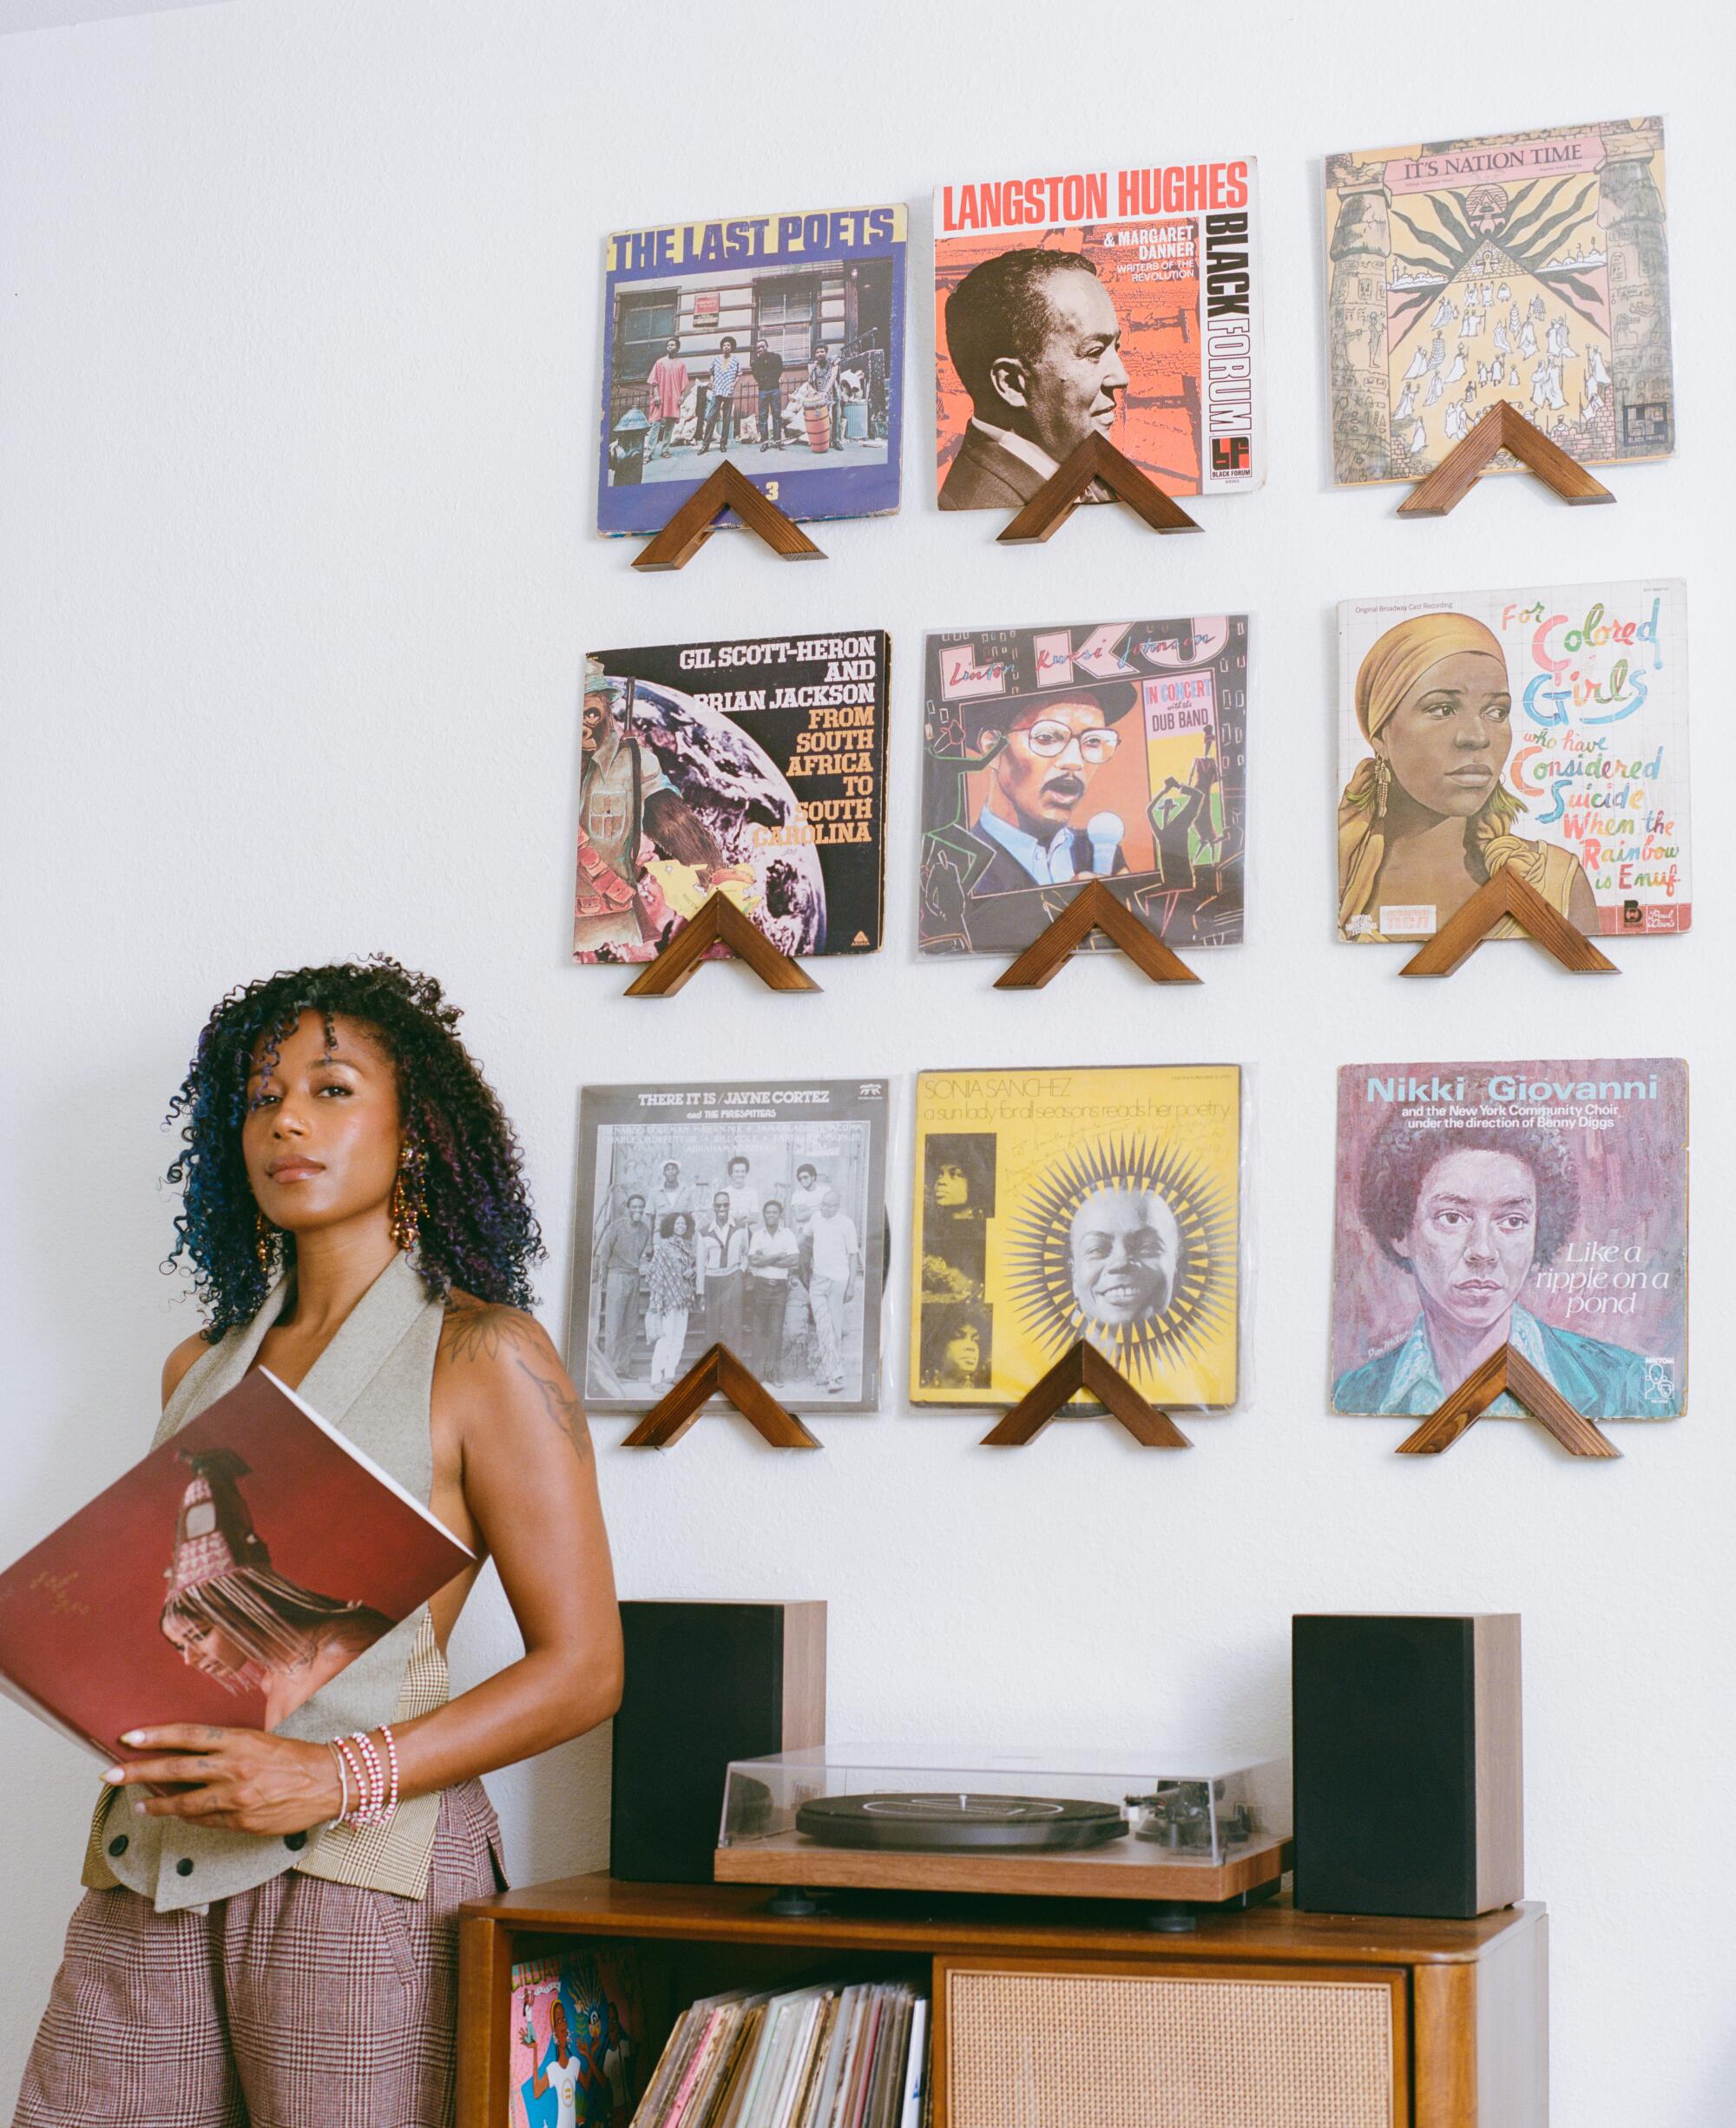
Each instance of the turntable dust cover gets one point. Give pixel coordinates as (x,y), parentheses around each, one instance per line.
(1531,268)
(754,769)
(1055,756)
(1542,1205)
(1101,1204)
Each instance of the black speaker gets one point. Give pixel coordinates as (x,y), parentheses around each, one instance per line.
(704,1683)
(1409,1785)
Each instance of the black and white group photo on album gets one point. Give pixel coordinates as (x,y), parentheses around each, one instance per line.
(751,1216)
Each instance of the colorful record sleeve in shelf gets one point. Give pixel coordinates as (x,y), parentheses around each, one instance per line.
(774,341)
(1055,756)
(577,2047)
(1529,268)
(1552,724)
(1539,1205)
(756,769)
(1052,1207)
(1123,303)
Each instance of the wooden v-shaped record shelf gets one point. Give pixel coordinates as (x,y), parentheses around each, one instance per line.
(1095,907)
(1509,1371)
(719,923)
(693,524)
(1096,459)
(1084,1369)
(719,1374)
(1503,428)
(1506,895)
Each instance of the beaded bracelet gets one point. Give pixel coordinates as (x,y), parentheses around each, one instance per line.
(376,1781)
(390,1743)
(353,1812)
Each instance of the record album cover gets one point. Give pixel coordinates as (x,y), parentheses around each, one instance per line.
(228,1575)
(1053,756)
(775,341)
(577,2027)
(1123,303)
(749,1216)
(1543,729)
(1531,268)
(1101,1204)
(755,768)
(1542,1204)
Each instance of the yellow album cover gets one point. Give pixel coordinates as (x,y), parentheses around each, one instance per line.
(1100,1203)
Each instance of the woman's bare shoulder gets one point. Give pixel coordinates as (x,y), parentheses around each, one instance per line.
(180,1362)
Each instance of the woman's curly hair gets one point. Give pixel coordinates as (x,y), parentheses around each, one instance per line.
(476,1229)
(1398,1165)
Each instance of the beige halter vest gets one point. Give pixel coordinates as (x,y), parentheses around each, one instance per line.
(373,1382)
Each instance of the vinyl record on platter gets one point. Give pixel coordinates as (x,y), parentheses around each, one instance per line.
(955,1823)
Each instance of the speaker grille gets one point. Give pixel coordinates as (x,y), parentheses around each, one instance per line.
(1040,2050)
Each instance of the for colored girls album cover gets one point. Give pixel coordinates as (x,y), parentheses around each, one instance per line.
(1545,730)
(1053,1206)
(1542,1205)
(773,341)
(1528,268)
(1055,756)
(756,769)
(1120,303)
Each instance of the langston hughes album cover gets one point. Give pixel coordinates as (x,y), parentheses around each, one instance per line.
(1101,1204)
(1542,1205)
(756,768)
(226,1578)
(1531,268)
(1123,303)
(749,1216)
(1055,756)
(775,341)
(1540,729)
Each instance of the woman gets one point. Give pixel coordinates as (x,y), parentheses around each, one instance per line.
(955,1347)
(265,1936)
(1427,820)
(1468,1211)
(674,1287)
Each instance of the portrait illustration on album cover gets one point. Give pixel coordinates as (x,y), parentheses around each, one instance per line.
(1541,1205)
(748,1216)
(1539,731)
(1055,756)
(756,769)
(1100,1204)
(577,2039)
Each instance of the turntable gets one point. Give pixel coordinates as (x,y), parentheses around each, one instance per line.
(1175,1829)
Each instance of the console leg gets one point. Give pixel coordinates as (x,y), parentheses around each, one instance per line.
(1172,1917)
(790,1900)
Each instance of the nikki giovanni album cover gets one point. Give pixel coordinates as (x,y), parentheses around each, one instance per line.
(1122,303)
(1053,1206)
(774,341)
(1530,269)
(1542,1205)
(752,1216)
(1543,729)
(1055,756)
(755,768)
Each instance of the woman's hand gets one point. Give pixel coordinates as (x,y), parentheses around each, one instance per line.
(241,1780)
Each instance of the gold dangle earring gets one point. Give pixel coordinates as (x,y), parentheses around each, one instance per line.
(406,1201)
(264,1240)
(1383,784)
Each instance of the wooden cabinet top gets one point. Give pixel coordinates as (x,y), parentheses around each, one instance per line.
(1275,1933)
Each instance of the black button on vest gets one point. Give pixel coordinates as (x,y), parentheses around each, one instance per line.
(118,1844)
(184,1866)
(295,1841)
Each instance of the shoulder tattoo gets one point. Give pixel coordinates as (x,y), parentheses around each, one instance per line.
(480,1330)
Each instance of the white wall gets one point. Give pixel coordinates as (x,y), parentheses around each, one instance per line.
(299,352)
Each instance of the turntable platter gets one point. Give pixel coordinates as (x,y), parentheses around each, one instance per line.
(953,1823)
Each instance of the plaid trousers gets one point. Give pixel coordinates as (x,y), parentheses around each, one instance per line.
(301,2004)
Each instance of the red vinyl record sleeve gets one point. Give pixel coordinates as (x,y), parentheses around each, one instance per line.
(226,1577)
